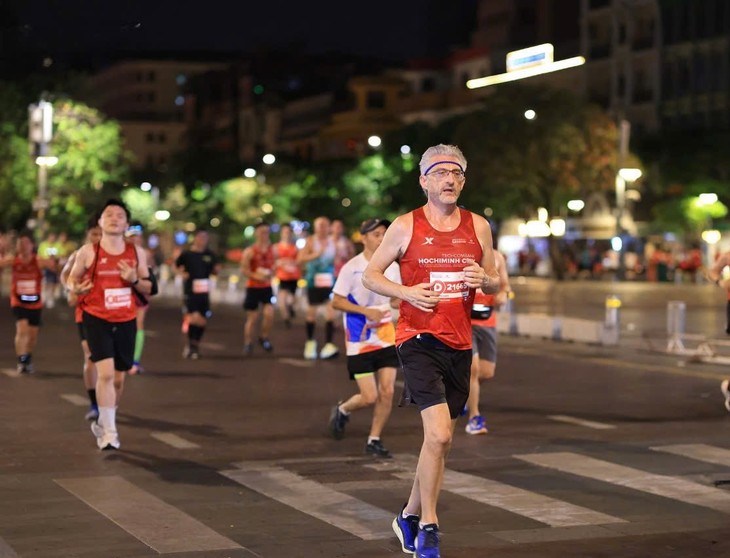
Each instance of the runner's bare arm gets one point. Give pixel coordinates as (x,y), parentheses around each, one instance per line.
(395,242)
(82,262)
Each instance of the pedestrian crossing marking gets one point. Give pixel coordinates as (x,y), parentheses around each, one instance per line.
(297,362)
(699,452)
(10,372)
(532,505)
(75,399)
(582,422)
(340,510)
(659,485)
(174,440)
(6,551)
(162,527)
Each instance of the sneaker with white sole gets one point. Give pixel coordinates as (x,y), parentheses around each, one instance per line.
(109,441)
(476,425)
(406,529)
(310,350)
(96,429)
(725,389)
(92,413)
(329,350)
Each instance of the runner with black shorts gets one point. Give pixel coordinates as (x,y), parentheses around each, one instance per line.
(257,263)
(445,253)
(105,275)
(93,236)
(26,298)
(196,265)
(318,257)
(370,341)
(287,272)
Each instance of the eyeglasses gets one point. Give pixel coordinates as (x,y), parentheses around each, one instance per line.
(441,174)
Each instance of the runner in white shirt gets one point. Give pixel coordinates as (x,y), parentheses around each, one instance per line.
(372,359)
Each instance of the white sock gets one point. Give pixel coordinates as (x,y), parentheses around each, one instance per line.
(373,438)
(108,418)
(343,411)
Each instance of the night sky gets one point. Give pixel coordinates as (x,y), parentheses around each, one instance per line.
(388,29)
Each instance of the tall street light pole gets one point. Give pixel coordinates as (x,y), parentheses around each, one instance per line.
(40,134)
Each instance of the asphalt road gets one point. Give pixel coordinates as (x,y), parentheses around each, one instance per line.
(592,451)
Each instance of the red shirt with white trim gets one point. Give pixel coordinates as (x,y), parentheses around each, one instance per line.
(111,297)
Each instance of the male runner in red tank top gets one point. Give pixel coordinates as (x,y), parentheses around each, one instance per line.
(445,253)
(257,264)
(26,299)
(114,268)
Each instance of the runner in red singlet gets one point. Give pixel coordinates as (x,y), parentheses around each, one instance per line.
(257,263)
(445,253)
(287,272)
(26,298)
(93,235)
(113,268)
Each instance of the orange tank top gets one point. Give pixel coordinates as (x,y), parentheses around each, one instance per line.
(26,282)
(262,261)
(288,269)
(111,297)
(440,257)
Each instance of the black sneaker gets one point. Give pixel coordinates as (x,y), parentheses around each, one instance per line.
(377,449)
(266,345)
(337,423)
(247,349)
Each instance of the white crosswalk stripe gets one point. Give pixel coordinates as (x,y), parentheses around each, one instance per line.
(6,551)
(516,500)
(658,485)
(699,452)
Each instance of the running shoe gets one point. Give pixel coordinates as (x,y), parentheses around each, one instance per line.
(247,349)
(725,389)
(310,350)
(92,413)
(377,449)
(26,368)
(266,344)
(337,423)
(476,425)
(97,430)
(427,542)
(330,350)
(406,529)
(109,441)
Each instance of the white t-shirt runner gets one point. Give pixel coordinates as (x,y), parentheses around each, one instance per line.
(362,336)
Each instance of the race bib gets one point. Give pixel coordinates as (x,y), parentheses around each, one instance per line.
(201,286)
(117,298)
(449,284)
(290,267)
(266,272)
(324,280)
(27,287)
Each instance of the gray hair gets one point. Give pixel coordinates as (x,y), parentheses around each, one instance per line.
(440,150)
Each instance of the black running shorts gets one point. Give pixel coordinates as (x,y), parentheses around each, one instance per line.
(197,303)
(290,286)
(257,296)
(372,361)
(33,315)
(111,340)
(434,373)
(318,295)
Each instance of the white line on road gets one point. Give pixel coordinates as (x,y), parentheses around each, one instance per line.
(336,508)
(6,551)
(160,526)
(75,399)
(659,485)
(297,362)
(582,422)
(538,507)
(173,440)
(699,452)
(10,372)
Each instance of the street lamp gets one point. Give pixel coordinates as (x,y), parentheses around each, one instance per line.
(623,176)
(530,114)
(374,141)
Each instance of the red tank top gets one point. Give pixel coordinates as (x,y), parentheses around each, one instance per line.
(26,281)
(262,260)
(484,300)
(440,257)
(111,297)
(288,270)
